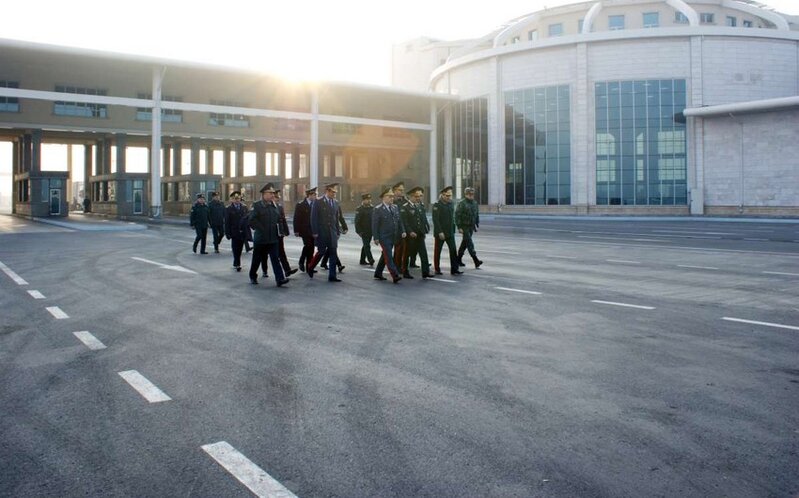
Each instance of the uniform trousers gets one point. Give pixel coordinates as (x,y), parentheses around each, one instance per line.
(467,243)
(416,246)
(236,245)
(387,260)
(453,261)
(202,233)
(366,249)
(260,253)
(219,233)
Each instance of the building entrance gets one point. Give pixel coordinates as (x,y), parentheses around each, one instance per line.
(55,201)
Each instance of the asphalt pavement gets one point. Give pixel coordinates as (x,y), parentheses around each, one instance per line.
(586,357)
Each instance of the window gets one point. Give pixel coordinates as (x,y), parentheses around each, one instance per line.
(615,22)
(680,18)
(641,149)
(167,115)
(537,146)
(556,29)
(81,109)
(532,35)
(228,119)
(580,24)
(651,19)
(732,21)
(707,18)
(9,104)
(747,24)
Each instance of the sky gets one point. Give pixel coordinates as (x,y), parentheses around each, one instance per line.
(347,40)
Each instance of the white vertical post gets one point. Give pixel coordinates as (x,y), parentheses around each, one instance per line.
(433,152)
(155,147)
(448,144)
(314,176)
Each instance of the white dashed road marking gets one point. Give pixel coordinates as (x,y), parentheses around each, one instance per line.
(57,312)
(623,261)
(439,279)
(500,252)
(698,267)
(560,257)
(624,305)
(144,387)
(36,294)
(534,293)
(243,469)
(165,267)
(16,278)
(765,324)
(89,340)
(781,273)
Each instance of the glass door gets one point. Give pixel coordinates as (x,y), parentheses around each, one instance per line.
(55,201)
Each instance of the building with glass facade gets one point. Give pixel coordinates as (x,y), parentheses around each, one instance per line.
(654,107)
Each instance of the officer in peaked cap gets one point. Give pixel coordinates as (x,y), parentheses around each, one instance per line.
(326,227)
(363,227)
(200,219)
(302,226)
(444,231)
(414,219)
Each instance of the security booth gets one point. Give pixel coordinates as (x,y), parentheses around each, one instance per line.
(120,194)
(41,194)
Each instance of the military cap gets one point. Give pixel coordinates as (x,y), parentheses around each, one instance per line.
(268,188)
(331,186)
(444,190)
(214,194)
(468,190)
(200,196)
(415,189)
(366,196)
(387,191)
(398,185)
(235,193)
(311,191)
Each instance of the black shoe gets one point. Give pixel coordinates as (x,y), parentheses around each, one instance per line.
(438,273)
(460,261)
(265,275)
(283,282)
(302,267)
(477,263)
(427,275)
(334,279)
(456,272)
(324,267)
(396,279)
(292,271)
(363,263)
(310,272)
(341,269)
(216,251)
(413,265)
(249,249)
(203,252)
(407,275)
(371,263)
(380,277)
(254,281)
(194,249)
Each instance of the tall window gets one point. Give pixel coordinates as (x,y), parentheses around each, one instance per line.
(228,119)
(167,115)
(9,104)
(680,18)
(532,35)
(82,109)
(640,146)
(556,29)
(748,24)
(707,18)
(732,21)
(470,147)
(651,19)
(615,22)
(538,146)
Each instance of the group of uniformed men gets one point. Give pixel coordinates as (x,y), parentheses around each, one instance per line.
(398,225)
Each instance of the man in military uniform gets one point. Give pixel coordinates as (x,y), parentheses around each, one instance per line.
(217,209)
(264,219)
(302,226)
(344,229)
(325,215)
(467,218)
(199,219)
(414,219)
(283,232)
(444,231)
(236,227)
(386,230)
(363,227)
(400,246)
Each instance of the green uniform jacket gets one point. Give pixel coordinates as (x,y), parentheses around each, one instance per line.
(443,219)
(200,215)
(414,217)
(467,214)
(264,218)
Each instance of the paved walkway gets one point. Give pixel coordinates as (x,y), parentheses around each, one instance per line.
(80,221)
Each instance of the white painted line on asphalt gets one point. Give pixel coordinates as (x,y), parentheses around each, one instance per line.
(693,232)
(650,240)
(623,261)
(165,267)
(597,237)
(765,324)
(501,252)
(534,293)
(757,240)
(36,294)
(624,305)
(781,273)
(89,340)
(57,312)
(439,279)
(698,267)
(559,257)
(247,473)
(144,387)
(16,278)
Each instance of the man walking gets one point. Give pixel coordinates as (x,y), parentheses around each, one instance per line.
(302,226)
(282,233)
(326,229)
(414,220)
(400,245)
(199,219)
(444,230)
(217,209)
(387,229)
(467,218)
(363,227)
(264,220)
(236,227)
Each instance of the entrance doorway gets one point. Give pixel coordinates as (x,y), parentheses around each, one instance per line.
(55,201)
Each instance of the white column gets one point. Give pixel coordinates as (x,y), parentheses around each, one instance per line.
(155,147)
(696,129)
(433,192)
(314,176)
(447,145)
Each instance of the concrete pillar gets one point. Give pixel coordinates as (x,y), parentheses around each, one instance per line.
(696,128)
(260,159)
(98,157)
(87,171)
(195,157)
(226,165)
(26,153)
(155,145)
(121,143)
(496,147)
(36,151)
(239,159)
(16,150)
(281,164)
(314,165)
(433,167)
(177,159)
(583,172)
(447,148)
(166,150)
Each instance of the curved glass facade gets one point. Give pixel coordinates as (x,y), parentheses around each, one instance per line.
(470,147)
(640,146)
